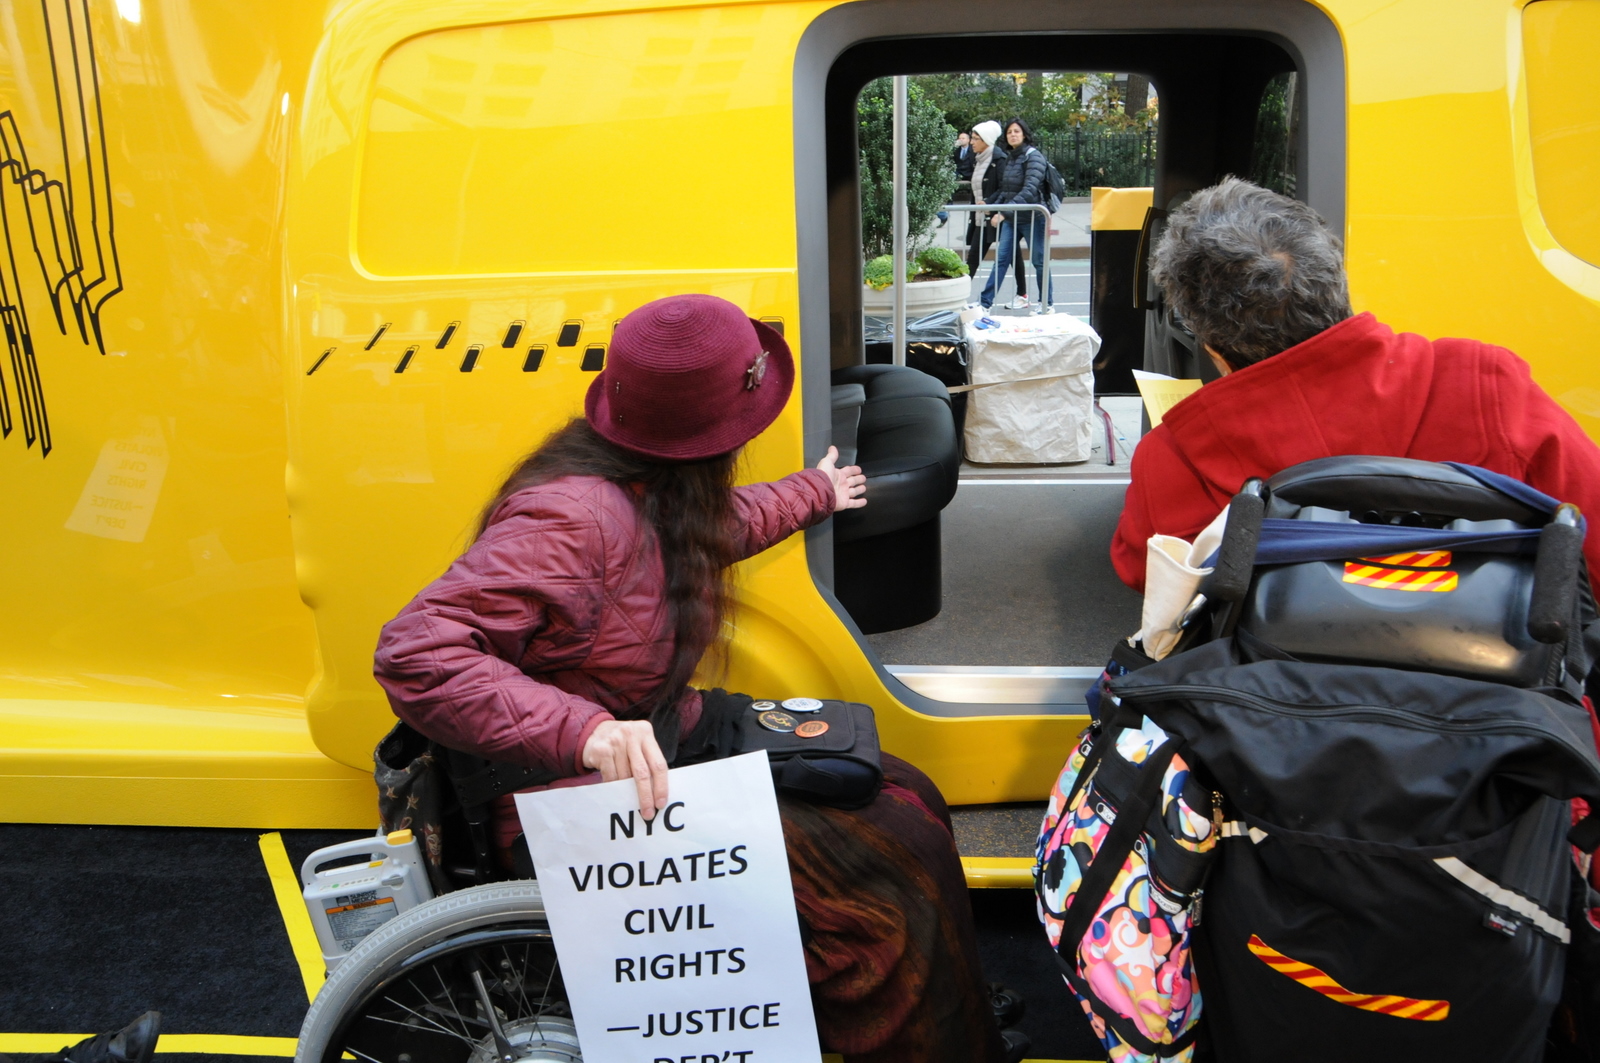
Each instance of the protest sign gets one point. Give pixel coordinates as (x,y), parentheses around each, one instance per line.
(677,936)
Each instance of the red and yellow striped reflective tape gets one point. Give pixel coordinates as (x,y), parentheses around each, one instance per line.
(1423,559)
(1400,579)
(1318,980)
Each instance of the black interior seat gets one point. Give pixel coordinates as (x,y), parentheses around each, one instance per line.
(887,554)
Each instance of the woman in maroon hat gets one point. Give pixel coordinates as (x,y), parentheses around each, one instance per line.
(566,635)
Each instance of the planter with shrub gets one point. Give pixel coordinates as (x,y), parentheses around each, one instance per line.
(938,282)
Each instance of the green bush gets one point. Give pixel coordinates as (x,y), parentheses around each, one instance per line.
(930,175)
(879,273)
(940,262)
(932,262)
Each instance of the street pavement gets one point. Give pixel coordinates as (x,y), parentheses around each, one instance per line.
(1069,267)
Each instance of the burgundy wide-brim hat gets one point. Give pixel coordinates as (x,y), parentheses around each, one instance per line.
(689,377)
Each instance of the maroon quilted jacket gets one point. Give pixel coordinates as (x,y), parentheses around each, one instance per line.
(554,621)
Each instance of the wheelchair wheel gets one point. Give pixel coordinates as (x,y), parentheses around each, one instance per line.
(470,977)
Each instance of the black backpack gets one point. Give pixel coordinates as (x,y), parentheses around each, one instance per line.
(1394,879)
(1055,185)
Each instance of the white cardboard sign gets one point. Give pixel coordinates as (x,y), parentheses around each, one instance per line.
(678,938)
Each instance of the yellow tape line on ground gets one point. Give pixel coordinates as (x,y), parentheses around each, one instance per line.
(302,937)
(210,1044)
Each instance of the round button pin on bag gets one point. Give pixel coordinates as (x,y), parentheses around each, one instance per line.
(812,729)
(803,705)
(763,706)
(773,720)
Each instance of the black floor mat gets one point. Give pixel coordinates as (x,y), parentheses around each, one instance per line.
(1014,951)
(102,923)
(1010,830)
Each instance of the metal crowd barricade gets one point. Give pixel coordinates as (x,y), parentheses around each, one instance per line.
(1013,209)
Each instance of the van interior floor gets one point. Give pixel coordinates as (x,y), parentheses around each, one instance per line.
(1027,580)
(1026,568)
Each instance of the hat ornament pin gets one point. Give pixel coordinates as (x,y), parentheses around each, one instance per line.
(756,373)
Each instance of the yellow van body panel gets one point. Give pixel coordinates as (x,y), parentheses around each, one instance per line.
(289,265)
(1560,39)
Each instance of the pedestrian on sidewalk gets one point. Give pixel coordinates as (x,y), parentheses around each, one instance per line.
(988,161)
(961,159)
(963,156)
(1023,181)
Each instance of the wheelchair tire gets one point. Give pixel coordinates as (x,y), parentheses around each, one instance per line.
(407,993)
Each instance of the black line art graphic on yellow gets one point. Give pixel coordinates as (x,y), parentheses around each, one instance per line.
(64,219)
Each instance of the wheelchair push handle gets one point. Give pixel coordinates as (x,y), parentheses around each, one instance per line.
(1236,558)
(1555,576)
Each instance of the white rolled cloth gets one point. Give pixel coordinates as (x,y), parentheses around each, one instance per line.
(1173,571)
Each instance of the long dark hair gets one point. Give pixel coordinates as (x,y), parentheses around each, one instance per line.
(689,506)
(1027,134)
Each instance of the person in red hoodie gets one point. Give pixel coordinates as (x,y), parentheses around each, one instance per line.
(565,637)
(1259,279)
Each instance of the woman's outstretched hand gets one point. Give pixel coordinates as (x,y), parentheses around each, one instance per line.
(620,749)
(849,484)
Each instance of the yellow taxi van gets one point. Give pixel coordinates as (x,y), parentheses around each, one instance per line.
(289,286)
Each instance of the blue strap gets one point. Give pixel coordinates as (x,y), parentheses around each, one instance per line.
(1528,496)
(1287,542)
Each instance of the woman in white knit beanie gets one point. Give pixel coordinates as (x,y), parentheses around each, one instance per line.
(986,143)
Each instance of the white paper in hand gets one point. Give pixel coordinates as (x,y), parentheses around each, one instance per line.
(678,938)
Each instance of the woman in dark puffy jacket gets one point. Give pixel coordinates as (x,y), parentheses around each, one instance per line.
(1024,180)
(988,164)
(565,637)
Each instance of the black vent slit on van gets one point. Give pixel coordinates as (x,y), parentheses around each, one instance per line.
(471,360)
(376,336)
(535,356)
(405,359)
(449,330)
(594,358)
(318,363)
(773,323)
(569,333)
(513,333)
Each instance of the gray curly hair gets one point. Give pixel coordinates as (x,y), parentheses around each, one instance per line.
(1252,273)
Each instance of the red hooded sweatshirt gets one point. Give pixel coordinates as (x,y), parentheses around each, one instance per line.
(1357,388)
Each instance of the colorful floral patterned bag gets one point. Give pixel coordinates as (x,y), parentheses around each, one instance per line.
(1122,856)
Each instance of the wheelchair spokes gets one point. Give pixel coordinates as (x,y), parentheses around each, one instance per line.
(477,998)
